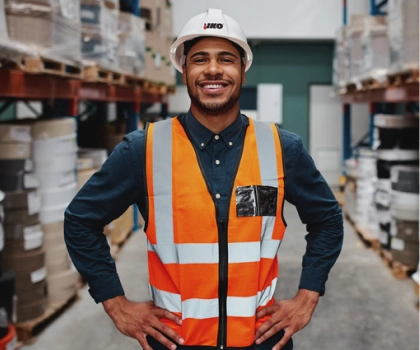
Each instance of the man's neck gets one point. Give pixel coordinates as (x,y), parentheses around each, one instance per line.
(215,123)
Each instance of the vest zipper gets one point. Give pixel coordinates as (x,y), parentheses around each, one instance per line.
(222,228)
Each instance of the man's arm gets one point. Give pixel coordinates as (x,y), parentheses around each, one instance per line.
(317,207)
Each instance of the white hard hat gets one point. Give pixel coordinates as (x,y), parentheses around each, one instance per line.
(210,23)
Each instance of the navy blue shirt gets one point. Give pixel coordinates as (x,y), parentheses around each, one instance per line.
(121,182)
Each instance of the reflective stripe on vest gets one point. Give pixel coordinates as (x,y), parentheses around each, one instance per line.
(183,247)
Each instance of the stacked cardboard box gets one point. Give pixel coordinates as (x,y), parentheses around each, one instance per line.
(131,32)
(55,157)
(403,33)
(100,32)
(50,26)
(159,38)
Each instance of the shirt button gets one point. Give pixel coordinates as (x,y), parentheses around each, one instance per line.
(218,196)
(216,137)
(217,162)
(230,143)
(202,145)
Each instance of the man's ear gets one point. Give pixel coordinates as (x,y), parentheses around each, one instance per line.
(184,74)
(243,75)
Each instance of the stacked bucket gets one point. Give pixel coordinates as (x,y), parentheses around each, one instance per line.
(23,253)
(55,161)
(404,229)
(396,143)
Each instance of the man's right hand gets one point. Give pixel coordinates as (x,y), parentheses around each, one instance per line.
(137,320)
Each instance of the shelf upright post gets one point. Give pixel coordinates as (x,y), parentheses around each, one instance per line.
(372,109)
(346,132)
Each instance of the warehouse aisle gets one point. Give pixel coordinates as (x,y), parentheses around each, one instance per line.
(364,308)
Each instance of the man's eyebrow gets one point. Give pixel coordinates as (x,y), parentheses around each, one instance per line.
(221,53)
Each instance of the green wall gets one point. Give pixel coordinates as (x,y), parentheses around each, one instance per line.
(295,66)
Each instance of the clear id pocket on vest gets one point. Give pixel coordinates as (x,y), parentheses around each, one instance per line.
(256,201)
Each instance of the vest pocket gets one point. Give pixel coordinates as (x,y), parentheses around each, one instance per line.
(256,201)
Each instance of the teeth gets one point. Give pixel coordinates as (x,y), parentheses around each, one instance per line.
(213,86)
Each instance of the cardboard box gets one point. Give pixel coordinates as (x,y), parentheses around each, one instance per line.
(83,176)
(121,227)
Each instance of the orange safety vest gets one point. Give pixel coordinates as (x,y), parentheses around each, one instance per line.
(215,274)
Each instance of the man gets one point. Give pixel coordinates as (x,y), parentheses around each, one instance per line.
(211,185)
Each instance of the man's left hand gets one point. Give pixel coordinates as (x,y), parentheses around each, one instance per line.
(290,315)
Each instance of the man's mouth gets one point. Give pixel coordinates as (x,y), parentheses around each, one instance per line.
(213,87)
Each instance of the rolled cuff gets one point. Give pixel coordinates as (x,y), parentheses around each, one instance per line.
(313,279)
(105,288)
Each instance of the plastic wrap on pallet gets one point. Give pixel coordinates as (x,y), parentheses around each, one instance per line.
(3,28)
(354,36)
(51,30)
(341,61)
(132,43)
(403,33)
(375,48)
(99,33)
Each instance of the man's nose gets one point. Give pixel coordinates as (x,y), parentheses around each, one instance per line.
(214,68)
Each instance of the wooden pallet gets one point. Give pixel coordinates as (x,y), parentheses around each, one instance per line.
(410,76)
(133,80)
(26,331)
(372,84)
(44,65)
(367,238)
(99,74)
(398,270)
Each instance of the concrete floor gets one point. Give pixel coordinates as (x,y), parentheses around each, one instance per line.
(364,308)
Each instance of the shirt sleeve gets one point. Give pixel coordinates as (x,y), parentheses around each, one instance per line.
(105,197)
(317,207)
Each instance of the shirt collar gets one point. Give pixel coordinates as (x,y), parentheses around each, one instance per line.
(202,136)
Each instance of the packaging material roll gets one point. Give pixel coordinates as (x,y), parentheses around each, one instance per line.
(98,156)
(405,206)
(53,128)
(51,215)
(7,291)
(53,229)
(15,151)
(32,292)
(22,182)
(84,164)
(58,267)
(62,164)
(52,241)
(83,176)
(55,180)
(15,167)
(62,286)
(29,241)
(56,255)
(12,133)
(31,311)
(408,231)
(59,196)
(44,150)
(30,261)
(405,178)
(23,199)
(21,216)
(404,252)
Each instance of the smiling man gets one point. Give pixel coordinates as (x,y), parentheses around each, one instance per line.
(211,185)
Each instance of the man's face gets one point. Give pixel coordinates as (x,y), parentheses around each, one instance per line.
(214,75)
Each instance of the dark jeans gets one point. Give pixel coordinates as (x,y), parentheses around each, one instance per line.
(267,345)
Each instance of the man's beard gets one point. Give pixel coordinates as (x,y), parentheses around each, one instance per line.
(215,108)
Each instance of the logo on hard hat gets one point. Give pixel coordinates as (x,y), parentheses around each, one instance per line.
(213,26)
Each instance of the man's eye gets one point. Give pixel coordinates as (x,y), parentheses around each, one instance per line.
(227,60)
(199,60)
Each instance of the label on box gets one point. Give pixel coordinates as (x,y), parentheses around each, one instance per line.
(28,230)
(20,133)
(33,240)
(30,181)
(397,244)
(382,198)
(22,150)
(34,203)
(67,178)
(12,345)
(393,228)
(29,165)
(38,275)
(383,237)
(158,60)
(87,14)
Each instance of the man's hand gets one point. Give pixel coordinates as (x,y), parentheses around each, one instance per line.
(137,320)
(290,315)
